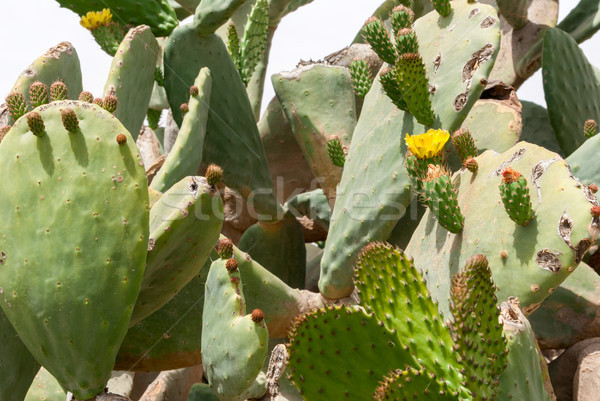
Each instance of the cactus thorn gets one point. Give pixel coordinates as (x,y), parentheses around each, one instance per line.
(257,316)
(225,248)
(231,265)
(35,123)
(121,139)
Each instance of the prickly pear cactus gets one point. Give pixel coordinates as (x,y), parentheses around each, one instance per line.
(527,261)
(72,260)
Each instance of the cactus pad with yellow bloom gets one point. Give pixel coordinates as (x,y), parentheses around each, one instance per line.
(95,19)
(427,145)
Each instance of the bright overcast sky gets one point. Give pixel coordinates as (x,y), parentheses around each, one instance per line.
(30,27)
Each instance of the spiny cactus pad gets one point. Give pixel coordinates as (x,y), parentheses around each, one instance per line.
(234,346)
(69,288)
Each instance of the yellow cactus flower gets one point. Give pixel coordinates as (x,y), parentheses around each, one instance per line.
(94,19)
(427,145)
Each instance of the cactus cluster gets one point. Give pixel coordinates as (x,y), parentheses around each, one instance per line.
(165,225)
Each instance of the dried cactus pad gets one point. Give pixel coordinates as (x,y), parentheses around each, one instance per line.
(527,261)
(73,241)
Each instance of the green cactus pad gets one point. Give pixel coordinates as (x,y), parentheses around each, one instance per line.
(211,14)
(527,261)
(514,12)
(158,14)
(233,45)
(584,161)
(58,63)
(526,376)
(17,365)
(406,41)
(170,338)
(391,287)
(316,118)
(184,226)
(537,128)
(38,94)
(389,82)
(186,154)
(131,77)
(201,392)
(571,88)
(440,195)
(55,243)
(254,41)
(376,34)
(412,81)
(361,77)
(278,247)
(342,352)
(516,200)
(234,344)
(232,138)
(401,17)
(400,385)
(45,388)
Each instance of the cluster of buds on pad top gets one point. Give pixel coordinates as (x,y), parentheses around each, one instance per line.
(515,196)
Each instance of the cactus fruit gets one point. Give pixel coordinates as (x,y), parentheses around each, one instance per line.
(515,196)
(361,77)
(336,152)
(590,128)
(38,94)
(69,119)
(214,174)
(440,196)
(376,34)
(86,96)
(69,227)
(17,105)
(110,103)
(35,122)
(442,7)
(58,91)
(401,17)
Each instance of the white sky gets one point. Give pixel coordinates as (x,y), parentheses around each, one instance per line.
(30,27)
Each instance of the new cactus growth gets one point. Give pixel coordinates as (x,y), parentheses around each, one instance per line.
(69,119)
(58,91)
(336,152)
(35,122)
(401,17)
(406,41)
(389,83)
(17,105)
(515,196)
(110,103)
(410,75)
(464,144)
(86,96)
(214,174)
(590,128)
(38,94)
(442,7)
(361,77)
(376,34)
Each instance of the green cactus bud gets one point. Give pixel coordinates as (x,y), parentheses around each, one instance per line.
(465,144)
(400,385)
(225,248)
(593,188)
(361,77)
(153,117)
(110,103)
(214,174)
(595,211)
(233,45)
(35,123)
(159,77)
(38,94)
(376,35)
(17,105)
(231,265)
(69,120)
(336,152)
(590,128)
(440,196)
(471,165)
(401,17)
(121,139)
(414,86)
(3,131)
(442,7)
(86,96)
(99,102)
(389,82)
(406,41)
(184,108)
(58,91)
(515,197)
(257,316)
(481,347)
